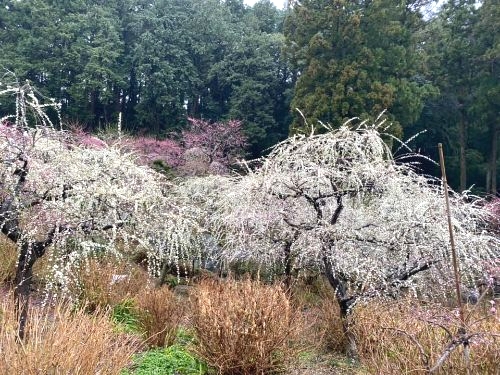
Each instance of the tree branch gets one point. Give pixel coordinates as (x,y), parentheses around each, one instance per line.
(305,227)
(338,210)
(447,352)
(416,268)
(423,354)
(47,197)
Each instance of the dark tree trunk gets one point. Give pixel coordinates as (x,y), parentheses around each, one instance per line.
(492,186)
(288,260)
(22,289)
(29,253)
(95,109)
(345,302)
(163,274)
(24,277)
(463,149)
(288,265)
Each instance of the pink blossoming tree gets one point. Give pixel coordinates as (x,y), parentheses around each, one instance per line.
(211,147)
(203,148)
(150,150)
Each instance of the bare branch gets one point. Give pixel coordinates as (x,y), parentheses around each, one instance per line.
(455,343)
(423,354)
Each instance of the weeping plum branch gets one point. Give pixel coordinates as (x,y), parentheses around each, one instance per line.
(372,225)
(56,190)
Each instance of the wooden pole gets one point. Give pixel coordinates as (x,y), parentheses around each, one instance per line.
(456,268)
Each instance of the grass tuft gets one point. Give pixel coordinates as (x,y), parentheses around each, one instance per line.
(387,333)
(244,328)
(63,341)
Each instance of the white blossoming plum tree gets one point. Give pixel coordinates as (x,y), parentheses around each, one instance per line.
(339,202)
(57,191)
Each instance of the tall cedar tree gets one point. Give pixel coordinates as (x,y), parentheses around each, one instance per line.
(356,58)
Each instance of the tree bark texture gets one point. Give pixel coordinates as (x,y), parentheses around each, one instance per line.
(463,154)
(29,253)
(345,303)
(492,186)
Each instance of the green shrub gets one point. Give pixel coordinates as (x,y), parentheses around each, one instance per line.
(124,315)
(174,360)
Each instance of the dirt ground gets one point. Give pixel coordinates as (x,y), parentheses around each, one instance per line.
(326,364)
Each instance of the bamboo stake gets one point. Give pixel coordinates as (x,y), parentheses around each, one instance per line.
(456,269)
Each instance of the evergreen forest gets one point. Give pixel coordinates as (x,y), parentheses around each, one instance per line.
(434,67)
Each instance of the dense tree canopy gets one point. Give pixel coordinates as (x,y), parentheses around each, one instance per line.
(339,203)
(356,58)
(463,63)
(159,62)
(156,62)
(79,197)
(340,200)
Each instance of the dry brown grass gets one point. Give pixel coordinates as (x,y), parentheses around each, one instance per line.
(8,256)
(245,327)
(93,284)
(63,341)
(329,323)
(387,334)
(315,297)
(160,313)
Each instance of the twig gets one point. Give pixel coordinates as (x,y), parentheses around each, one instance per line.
(449,349)
(423,354)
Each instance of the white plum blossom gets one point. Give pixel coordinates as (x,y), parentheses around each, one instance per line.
(59,193)
(339,202)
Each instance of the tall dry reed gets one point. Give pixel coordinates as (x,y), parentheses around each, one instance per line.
(406,337)
(160,312)
(63,341)
(245,327)
(106,282)
(8,251)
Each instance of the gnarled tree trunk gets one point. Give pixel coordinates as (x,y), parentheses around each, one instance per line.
(345,302)
(28,254)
